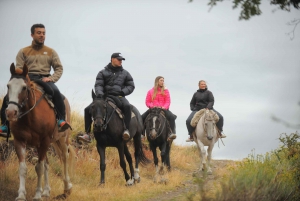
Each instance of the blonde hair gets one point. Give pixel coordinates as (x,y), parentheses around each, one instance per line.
(156,87)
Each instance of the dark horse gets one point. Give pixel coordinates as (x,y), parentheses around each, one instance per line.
(33,122)
(157,130)
(108,131)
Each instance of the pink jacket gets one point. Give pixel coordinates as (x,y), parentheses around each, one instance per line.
(160,100)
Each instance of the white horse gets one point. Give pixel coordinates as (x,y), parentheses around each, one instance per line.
(205,134)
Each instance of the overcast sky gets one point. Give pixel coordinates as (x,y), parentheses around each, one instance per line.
(252,67)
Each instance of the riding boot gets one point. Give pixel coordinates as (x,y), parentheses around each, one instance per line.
(60,108)
(190,139)
(173,127)
(127,118)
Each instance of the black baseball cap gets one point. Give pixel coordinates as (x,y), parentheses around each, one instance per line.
(117,55)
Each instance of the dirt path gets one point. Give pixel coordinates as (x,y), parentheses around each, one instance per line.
(190,187)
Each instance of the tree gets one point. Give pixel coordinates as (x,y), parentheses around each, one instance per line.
(250,8)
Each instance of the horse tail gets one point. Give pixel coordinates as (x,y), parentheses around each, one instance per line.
(139,119)
(71,159)
(70,151)
(138,150)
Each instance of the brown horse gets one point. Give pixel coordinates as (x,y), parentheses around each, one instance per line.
(33,122)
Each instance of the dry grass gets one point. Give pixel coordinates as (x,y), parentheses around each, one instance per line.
(87,174)
(87,177)
(181,180)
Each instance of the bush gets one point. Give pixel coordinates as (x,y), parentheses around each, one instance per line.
(273,176)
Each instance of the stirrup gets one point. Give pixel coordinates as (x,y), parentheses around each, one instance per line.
(190,139)
(172,136)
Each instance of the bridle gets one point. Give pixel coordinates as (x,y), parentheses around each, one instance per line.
(158,115)
(105,116)
(25,100)
(210,118)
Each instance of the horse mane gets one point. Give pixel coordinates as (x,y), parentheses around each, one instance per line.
(199,114)
(18,71)
(32,84)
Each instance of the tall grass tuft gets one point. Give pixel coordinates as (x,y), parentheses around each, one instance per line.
(273,176)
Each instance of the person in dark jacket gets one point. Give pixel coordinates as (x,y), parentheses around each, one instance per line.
(113,80)
(201,99)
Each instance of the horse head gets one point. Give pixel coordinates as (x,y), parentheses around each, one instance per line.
(98,111)
(209,123)
(18,89)
(154,122)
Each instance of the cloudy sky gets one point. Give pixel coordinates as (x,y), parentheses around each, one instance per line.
(252,67)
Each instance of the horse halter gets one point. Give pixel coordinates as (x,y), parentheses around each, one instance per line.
(105,119)
(209,118)
(156,114)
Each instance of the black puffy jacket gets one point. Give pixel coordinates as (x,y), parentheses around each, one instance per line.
(114,81)
(203,98)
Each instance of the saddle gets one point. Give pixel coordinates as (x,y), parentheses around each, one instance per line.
(46,89)
(199,114)
(116,104)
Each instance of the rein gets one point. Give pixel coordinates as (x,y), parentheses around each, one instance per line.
(106,122)
(164,124)
(35,104)
(20,106)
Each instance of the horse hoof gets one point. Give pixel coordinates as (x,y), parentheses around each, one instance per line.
(20,199)
(60,197)
(138,180)
(130,182)
(37,199)
(68,192)
(101,184)
(163,181)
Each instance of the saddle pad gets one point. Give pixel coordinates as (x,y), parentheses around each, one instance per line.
(38,87)
(199,114)
(119,111)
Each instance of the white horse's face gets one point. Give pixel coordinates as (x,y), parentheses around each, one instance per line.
(17,94)
(154,126)
(210,126)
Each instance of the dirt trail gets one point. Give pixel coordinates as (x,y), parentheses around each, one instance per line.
(189,186)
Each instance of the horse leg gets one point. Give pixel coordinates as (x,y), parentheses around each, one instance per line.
(40,169)
(129,160)
(163,149)
(137,147)
(20,148)
(122,161)
(101,151)
(64,155)
(209,151)
(47,189)
(153,149)
(202,153)
(168,157)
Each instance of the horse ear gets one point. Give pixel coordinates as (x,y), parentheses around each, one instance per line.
(12,68)
(25,70)
(93,94)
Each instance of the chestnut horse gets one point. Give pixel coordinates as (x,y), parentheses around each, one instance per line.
(33,122)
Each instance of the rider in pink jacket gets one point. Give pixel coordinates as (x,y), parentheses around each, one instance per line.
(160,100)
(159,96)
